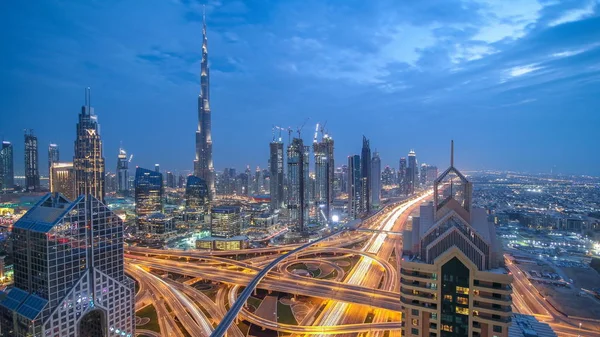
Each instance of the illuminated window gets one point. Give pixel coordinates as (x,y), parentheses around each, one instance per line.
(462,290)
(462,300)
(447,327)
(447,297)
(462,311)
(476,292)
(415,292)
(475,312)
(415,321)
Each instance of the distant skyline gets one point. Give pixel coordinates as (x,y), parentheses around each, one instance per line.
(516,83)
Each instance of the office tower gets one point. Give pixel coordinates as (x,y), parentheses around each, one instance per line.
(110,180)
(297,158)
(257,181)
(7,175)
(365,177)
(452,283)
(122,173)
(203,165)
(344,178)
(354,186)
(69,275)
(432,173)
(423,175)
(62,180)
(156,168)
(181,181)
(88,160)
(196,200)
(225,221)
(412,173)
(149,192)
(387,176)
(170,179)
(32,172)
(243,182)
(324,175)
(375,180)
(53,156)
(402,177)
(276,173)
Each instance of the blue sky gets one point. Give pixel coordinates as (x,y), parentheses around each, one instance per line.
(516,83)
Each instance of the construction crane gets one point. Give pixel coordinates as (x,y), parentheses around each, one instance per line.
(316,133)
(130,158)
(299,130)
(323,129)
(276,127)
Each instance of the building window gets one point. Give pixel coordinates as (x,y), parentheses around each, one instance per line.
(462,290)
(433,316)
(415,321)
(462,300)
(462,311)
(414,331)
(497,328)
(448,298)
(415,312)
(447,327)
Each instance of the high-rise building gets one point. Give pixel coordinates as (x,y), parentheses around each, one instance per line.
(225,221)
(452,275)
(276,173)
(257,181)
(181,181)
(375,180)
(432,173)
(62,180)
(203,165)
(388,176)
(7,175)
(365,176)
(354,186)
(196,198)
(423,174)
(324,176)
(53,156)
(402,177)
(88,160)
(170,179)
(157,168)
(122,172)
(110,182)
(412,173)
(149,190)
(298,158)
(32,172)
(69,278)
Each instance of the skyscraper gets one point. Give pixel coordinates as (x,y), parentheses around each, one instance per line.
(7,175)
(453,283)
(149,190)
(402,178)
(196,199)
(423,174)
(324,175)
(298,157)
(32,171)
(170,179)
(62,180)
(375,180)
(365,176)
(276,172)
(69,278)
(203,165)
(412,173)
(354,186)
(88,160)
(53,156)
(122,172)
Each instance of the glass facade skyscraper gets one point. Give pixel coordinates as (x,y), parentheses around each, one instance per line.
(32,171)
(324,176)
(365,177)
(375,180)
(298,161)
(53,156)
(276,174)
(149,192)
(88,160)
(62,180)
(68,272)
(354,186)
(122,172)
(225,221)
(7,175)
(412,173)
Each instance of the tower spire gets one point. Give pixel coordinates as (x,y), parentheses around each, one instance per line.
(452,153)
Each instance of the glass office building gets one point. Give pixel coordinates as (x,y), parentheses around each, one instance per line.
(68,272)
(149,192)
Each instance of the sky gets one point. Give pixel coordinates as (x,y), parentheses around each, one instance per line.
(515,83)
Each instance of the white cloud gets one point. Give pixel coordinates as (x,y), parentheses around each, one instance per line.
(523,70)
(575,14)
(507,19)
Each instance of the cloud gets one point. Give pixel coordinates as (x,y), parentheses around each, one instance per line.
(575,14)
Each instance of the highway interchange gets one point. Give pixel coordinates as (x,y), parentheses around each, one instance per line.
(369,289)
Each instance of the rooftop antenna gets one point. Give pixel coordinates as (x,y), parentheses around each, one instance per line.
(452,153)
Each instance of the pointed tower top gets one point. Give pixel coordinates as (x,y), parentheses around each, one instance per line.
(452,153)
